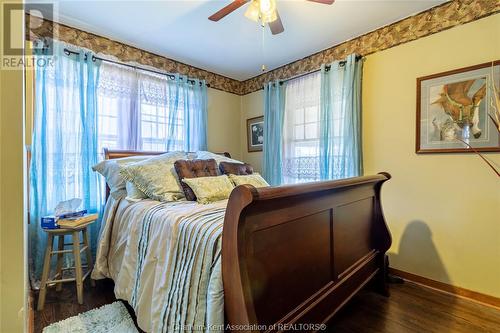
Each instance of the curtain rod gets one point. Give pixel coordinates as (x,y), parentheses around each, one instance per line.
(94,58)
(327,68)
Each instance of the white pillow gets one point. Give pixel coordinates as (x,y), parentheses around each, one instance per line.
(156,176)
(206,155)
(110,169)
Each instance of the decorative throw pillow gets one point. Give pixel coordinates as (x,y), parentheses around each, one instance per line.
(110,169)
(254,179)
(133,193)
(194,169)
(156,176)
(235,168)
(210,189)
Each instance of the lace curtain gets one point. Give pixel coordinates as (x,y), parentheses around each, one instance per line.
(301,130)
(118,107)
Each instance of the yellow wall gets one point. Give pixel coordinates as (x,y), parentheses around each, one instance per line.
(29,86)
(223,120)
(252,105)
(12,235)
(443,209)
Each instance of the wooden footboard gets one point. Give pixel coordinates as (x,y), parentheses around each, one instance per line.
(294,255)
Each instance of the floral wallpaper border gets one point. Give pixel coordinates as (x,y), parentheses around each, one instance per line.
(127,53)
(436,19)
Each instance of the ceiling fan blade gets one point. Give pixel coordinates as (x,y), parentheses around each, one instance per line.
(276,26)
(326,2)
(227,10)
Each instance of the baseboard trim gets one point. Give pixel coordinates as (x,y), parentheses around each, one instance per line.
(448,288)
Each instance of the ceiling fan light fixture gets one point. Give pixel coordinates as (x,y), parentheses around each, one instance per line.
(253,11)
(262,10)
(267,10)
(267,6)
(268,18)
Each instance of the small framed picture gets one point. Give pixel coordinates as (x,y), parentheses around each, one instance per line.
(255,133)
(455,110)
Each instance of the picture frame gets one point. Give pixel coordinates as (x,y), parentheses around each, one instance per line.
(453,110)
(255,134)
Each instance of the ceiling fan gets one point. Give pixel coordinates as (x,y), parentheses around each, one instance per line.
(264,11)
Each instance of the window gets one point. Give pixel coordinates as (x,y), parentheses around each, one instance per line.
(155,126)
(301,130)
(107,124)
(161,110)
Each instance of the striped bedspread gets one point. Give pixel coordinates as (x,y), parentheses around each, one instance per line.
(165,261)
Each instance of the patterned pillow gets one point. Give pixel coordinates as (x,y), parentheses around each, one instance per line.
(156,176)
(210,189)
(254,179)
(133,193)
(194,169)
(235,168)
(110,169)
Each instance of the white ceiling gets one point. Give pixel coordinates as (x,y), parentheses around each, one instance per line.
(235,46)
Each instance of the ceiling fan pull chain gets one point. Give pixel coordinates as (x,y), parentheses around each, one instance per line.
(263,68)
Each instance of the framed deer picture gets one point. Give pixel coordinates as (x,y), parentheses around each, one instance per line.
(457,111)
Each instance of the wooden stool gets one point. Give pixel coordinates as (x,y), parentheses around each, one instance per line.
(76,250)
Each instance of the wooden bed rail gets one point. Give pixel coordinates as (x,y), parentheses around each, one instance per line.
(293,255)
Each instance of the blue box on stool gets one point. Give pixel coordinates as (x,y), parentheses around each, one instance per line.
(49,222)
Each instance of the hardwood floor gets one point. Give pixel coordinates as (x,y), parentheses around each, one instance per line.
(410,308)
(63,304)
(414,308)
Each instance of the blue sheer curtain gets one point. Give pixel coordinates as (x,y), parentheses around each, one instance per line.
(274,110)
(65,142)
(340,120)
(195,113)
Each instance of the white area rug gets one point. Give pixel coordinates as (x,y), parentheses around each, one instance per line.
(110,318)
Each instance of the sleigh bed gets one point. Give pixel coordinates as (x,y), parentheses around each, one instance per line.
(293,255)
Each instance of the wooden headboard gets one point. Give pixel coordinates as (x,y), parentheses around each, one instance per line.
(110,154)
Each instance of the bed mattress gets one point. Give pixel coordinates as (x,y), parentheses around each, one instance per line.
(165,260)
